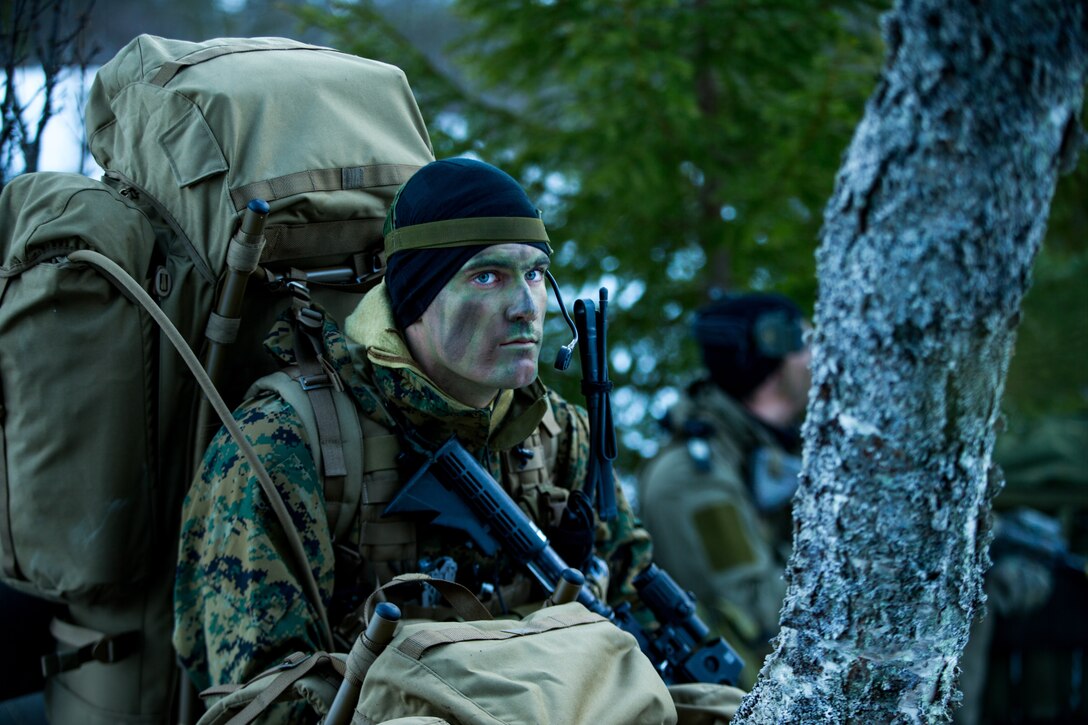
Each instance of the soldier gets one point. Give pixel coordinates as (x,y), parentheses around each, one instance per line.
(446,345)
(717,498)
(1024,659)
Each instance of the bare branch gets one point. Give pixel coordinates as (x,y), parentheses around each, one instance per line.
(49,33)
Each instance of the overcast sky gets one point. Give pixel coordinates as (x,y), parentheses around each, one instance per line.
(60,140)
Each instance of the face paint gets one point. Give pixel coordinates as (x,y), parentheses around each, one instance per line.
(483,331)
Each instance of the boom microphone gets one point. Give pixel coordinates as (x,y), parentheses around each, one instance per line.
(566,352)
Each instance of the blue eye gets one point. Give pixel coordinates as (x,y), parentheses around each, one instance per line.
(484,278)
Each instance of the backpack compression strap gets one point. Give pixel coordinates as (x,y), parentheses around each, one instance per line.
(167,71)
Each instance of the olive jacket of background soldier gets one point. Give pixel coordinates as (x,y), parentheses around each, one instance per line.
(696,499)
(239,609)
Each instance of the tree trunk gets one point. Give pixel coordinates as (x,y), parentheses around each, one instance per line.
(926,253)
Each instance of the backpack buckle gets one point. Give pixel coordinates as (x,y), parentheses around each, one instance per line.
(313,382)
(162,283)
(107,650)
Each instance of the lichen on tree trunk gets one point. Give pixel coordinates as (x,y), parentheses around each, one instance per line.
(938,212)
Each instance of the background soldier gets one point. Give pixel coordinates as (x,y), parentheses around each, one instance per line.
(717,497)
(1024,662)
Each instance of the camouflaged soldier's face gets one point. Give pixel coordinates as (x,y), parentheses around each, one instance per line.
(483,331)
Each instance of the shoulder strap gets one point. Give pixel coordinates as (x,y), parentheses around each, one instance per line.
(334,410)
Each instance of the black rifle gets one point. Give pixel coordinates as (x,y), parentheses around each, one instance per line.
(455,491)
(1032,533)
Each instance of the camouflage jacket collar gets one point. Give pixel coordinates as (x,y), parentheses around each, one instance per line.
(373,360)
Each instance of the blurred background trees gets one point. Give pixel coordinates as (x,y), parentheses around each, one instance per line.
(678,149)
(681,149)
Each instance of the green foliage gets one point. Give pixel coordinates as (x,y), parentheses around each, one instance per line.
(677,148)
(1048,374)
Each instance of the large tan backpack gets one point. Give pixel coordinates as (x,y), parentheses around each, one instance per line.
(559,665)
(243,177)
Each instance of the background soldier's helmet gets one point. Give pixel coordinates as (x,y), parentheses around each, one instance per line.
(744,338)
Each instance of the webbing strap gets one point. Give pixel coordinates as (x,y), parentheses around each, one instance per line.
(388,533)
(223,330)
(244,252)
(317,381)
(380,491)
(284,243)
(342,498)
(292,674)
(417,644)
(170,69)
(337,179)
(90,645)
(380,453)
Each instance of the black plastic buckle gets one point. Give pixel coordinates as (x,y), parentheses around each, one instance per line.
(107,650)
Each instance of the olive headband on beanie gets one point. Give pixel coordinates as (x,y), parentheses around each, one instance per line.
(444,215)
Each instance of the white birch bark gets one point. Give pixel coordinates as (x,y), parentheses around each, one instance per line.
(929,237)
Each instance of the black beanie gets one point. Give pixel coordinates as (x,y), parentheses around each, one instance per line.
(744,338)
(419,265)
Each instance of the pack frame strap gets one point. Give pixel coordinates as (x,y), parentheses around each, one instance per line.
(223,330)
(168,70)
(336,179)
(244,252)
(112,271)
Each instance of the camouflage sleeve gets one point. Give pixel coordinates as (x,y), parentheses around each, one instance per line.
(238,606)
(623,543)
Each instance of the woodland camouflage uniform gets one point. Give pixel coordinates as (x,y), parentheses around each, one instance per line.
(696,500)
(239,608)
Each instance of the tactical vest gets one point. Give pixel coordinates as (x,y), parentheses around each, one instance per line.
(365,479)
